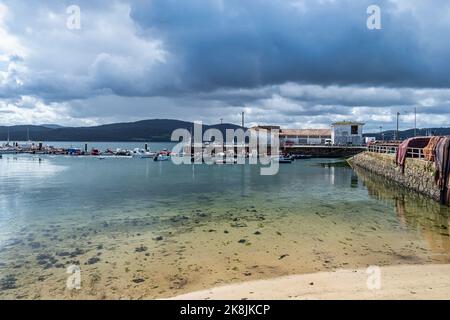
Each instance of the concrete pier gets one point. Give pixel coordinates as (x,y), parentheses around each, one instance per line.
(316,151)
(321,151)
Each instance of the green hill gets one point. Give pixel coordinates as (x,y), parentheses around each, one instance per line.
(145,130)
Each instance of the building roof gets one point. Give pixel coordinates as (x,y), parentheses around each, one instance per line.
(265,127)
(306,132)
(343,123)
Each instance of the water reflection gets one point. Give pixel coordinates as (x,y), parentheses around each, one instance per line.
(24,167)
(413,210)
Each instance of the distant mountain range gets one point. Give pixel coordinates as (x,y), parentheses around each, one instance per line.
(405,134)
(51,126)
(146,130)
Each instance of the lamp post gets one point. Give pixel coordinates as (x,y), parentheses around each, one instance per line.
(415,121)
(397,133)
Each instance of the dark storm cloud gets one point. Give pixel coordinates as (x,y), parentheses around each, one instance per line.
(252,43)
(178,47)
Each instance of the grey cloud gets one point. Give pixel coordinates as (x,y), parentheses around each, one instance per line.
(254,43)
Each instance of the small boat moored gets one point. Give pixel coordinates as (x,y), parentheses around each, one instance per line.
(283,159)
(162,156)
(302,156)
(141,153)
(123,153)
(8,150)
(74,151)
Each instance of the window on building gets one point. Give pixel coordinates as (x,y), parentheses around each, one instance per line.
(302,140)
(354,129)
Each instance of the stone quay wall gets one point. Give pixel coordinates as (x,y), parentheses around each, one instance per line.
(419,175)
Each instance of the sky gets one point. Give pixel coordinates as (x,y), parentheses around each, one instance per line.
(294,63)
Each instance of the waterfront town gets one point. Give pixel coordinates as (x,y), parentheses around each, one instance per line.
(340,134)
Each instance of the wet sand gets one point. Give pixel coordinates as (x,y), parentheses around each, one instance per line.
(397,282)
(207,252)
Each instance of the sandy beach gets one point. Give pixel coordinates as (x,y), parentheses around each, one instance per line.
(397,282)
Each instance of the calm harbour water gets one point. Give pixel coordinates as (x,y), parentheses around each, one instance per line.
(145,229)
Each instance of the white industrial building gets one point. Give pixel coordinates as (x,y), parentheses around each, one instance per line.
(341,134)
(305,136)
(347,133)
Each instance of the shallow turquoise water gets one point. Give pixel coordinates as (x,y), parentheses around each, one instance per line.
(54,203)
(55,189)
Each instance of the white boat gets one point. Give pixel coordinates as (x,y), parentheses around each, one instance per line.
(141,153)
(8,150)
(281,159)
(226,161)
(148,155)
(122,152)
(284,159)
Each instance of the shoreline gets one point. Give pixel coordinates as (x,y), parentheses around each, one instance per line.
(397,282)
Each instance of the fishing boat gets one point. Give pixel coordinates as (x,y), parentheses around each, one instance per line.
(161,157)
(147,155)
(289,156)
(227,160)
(8,150)
(74,151)
(95,152)
(143,154)
(165,152)
(284,159)
(109,152)
(122,153)
(302,156)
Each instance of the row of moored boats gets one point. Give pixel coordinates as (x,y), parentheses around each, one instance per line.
(163,155)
